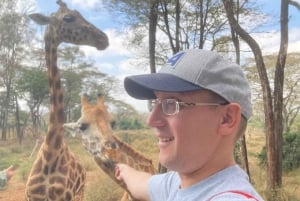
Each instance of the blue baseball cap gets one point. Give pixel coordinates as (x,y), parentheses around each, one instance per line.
(191,70)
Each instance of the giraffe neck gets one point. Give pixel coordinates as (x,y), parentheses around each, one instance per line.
(126,154)
(55,132)
(123,154)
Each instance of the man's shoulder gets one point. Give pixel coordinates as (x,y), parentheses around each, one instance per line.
(166,177)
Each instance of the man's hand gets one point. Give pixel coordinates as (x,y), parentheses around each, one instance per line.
(9,172)
(136,181)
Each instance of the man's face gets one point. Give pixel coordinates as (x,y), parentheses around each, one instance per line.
(189,139)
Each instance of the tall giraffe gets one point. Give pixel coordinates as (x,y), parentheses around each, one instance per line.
(56,174)
(107,149)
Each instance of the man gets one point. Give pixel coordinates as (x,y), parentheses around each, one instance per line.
(6,175)
(200,107)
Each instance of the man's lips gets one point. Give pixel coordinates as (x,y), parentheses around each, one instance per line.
(166,139)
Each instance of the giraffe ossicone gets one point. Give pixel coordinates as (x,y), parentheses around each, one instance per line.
(57,174)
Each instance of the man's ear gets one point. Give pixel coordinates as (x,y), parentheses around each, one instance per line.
(230,119)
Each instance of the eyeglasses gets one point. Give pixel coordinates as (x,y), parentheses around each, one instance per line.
(171,107)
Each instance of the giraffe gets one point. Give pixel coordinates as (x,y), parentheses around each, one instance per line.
(107,149)
(56,174)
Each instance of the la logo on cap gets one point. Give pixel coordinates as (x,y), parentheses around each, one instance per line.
(173,60)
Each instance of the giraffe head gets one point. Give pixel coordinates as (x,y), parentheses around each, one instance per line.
(69,26)
(93,126)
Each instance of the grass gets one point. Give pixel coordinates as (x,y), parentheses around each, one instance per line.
(100,187)
(291,181)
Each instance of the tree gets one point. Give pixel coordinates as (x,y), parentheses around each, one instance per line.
(153,16)
(273,107)
(33,88)
(80,76)
(72,64)
(291,87)
(170,26)
(291,101)
(13,36)
(236,44)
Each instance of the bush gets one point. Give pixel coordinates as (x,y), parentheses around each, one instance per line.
(290,152)
(129,124)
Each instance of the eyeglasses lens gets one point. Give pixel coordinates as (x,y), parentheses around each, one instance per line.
(169,106)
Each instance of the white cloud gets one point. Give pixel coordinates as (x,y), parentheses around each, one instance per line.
(269,42)
(294,47)
(105,67)
(117,42)
(88,4)
(116,46)
(294,39)
(120,61)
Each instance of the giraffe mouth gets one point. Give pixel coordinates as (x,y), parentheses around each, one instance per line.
(102,44)
(101,47)
(92,144)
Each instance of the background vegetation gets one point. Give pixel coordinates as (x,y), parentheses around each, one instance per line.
(100,187)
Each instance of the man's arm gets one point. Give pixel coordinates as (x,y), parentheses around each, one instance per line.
(136,181)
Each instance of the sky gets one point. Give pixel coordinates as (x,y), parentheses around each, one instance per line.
(117,59)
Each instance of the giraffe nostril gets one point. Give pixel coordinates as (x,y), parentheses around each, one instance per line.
(114,145)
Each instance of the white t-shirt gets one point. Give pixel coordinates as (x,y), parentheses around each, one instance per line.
(218,187)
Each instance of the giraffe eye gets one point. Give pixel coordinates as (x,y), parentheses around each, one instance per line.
(69,18)
(83,126)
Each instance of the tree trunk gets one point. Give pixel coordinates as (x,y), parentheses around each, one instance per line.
(278,93)
(5,115)
(244,153)
(152,42)
(236,43)
(273,182)
(165,11)
(177,27)
(152,34)
(18,126)
(3,126)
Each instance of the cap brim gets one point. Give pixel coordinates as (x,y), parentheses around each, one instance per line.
(143,86)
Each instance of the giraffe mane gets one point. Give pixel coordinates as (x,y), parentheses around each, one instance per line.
(131,151)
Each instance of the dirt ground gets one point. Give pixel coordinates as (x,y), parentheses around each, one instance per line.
(15,189)
(13,192)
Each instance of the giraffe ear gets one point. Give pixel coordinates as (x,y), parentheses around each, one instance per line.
(84,100)
(39,18)
(61,4)
(100,101)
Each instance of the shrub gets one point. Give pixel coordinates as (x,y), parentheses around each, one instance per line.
(290,152)
(129,124)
